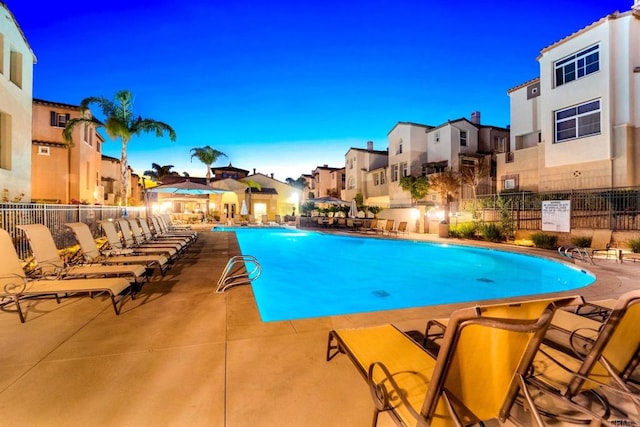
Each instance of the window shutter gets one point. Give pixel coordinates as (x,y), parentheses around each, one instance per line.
(67,116)
(54,118)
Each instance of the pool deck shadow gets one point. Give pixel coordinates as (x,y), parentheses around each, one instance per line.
(180,354)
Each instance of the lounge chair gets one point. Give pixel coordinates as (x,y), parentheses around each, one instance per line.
(402,229)
(602,357)
(278,219)
(14,286)
(162,236)
(50,264)
(171,225)
(117,247)
(135,239)
(162,228)
(371,228)
(600,243)
(477,375)
(388,227)
(92,255)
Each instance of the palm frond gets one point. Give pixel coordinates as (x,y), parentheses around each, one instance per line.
(149,125)
(67,132)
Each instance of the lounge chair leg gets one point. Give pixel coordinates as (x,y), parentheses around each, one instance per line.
(332,347)
(17,301)
(375,417)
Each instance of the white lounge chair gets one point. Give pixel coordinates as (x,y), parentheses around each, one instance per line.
(14,286)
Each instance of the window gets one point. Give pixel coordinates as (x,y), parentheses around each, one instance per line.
(509,184)
(499,144)
(399,150)
(395,176)
(437,137)
(5,141)
(59,120)
(15,68)
(404,167)
(44,151)
(383,177)
(1,53)
(578,121)
(351,184)
(376,179)
(87,134)
(463,138)
(578,65)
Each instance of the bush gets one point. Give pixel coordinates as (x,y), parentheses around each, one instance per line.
(465,230)
(634,245)
(581,241)
(491,232)
(544,241)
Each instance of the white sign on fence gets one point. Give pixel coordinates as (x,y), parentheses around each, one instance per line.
(556,215)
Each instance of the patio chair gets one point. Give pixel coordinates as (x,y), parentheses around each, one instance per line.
(600,243)
(171,225)
(371,228)
(14,286)
(388,227)
(117,247)
(477,375)
(92,254)
(601,360)
(50,263)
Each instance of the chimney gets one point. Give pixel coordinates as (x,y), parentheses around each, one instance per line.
(475,117)
(271,175)
(369,145)
(254,171)
(636,5)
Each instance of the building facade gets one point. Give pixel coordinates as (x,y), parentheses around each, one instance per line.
(578,124)
(16,93)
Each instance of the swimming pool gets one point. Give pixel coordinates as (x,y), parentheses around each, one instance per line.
(310,274)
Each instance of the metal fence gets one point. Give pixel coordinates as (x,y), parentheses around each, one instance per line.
(55,217)
(615,209)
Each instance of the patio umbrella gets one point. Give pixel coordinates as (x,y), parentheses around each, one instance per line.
(186,187)
(243,209)
(353,211)
(329,200)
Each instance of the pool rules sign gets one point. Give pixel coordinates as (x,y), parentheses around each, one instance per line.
(556,215)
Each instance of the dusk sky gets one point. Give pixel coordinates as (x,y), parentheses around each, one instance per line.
(284,87)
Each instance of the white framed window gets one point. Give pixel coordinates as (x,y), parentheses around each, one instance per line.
(351,183)
(578,65)
(15,68)
(399,149)
(59,120)
(578,121)
(395,173)
(43,150)
(509,184)
(463,138)
(404,167)
(383,177)
(376,179)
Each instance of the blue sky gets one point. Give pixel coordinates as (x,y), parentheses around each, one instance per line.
(284,86)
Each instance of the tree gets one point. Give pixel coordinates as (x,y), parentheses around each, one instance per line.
(119,123)
(157,172)
(418,187)
(252,184)
(473,176)
(446,184)
(208,156)
(299,183)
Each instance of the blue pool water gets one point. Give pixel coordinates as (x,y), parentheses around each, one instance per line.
(310,274)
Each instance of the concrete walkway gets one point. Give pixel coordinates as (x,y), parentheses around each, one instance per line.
(180,355)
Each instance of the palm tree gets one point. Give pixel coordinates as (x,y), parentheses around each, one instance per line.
(120,123)
(208,156)
(158,172)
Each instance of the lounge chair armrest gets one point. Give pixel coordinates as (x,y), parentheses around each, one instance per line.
(382,395)
(50,271)
(15,288)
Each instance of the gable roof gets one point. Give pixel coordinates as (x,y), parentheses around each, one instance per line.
(410,124)
(15,21)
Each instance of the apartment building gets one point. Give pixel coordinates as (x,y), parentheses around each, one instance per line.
(327,181)
(16,93)
(76,166)
(366,173)
(577,125)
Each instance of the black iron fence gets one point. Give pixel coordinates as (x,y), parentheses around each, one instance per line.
(615,209)
(55,217)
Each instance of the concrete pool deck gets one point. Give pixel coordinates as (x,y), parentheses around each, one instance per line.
(180,354)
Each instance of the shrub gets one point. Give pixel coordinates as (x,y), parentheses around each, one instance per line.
(581,241)
(491,232)
(634,245)
(544,241)
(466,230)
